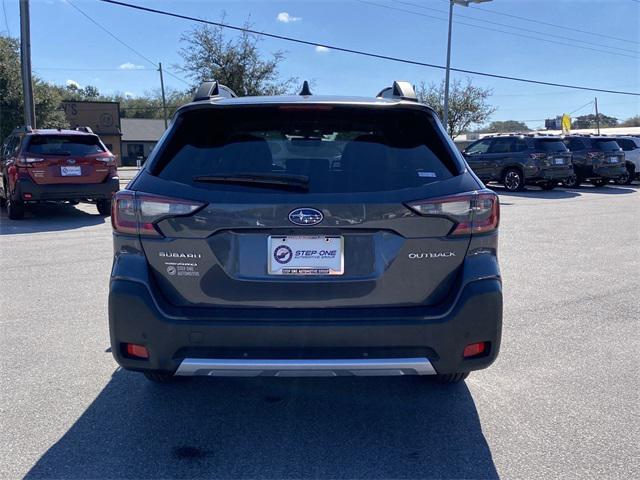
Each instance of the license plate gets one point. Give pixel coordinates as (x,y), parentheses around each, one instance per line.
(71,171)
(613,159)
(298,255)
(559,161)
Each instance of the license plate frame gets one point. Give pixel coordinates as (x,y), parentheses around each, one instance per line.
(613,159)
(558,161)
(301,255)
(71,171)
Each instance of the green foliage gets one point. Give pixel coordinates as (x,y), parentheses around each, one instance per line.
(47,97)
(467,104)
(236,63)
(505,126)
(631,122)
(589,121)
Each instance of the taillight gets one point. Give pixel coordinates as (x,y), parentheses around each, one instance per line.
(28,160)
(107,159)
(474,212)
(136,213)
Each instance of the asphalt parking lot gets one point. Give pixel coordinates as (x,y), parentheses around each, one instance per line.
(561,401)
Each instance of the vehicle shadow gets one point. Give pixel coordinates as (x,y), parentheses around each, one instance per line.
(48,218)
(273,428)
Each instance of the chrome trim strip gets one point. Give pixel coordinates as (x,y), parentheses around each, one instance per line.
(222,367)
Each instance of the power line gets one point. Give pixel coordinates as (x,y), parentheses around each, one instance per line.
(360,52)
(460,15)
(555,42)
(98,69)
(580,108)
(563,27)
(123,43)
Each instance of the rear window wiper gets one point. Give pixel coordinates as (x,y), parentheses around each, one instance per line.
(259,180)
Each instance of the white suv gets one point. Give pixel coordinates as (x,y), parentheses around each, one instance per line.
(631,147)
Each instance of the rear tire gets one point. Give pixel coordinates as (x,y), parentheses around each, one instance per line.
(626,178)
(104,207)
(574,181)
(15,208)
(599,182)
(160,377)
(513,180)
(448,378)
(548,185)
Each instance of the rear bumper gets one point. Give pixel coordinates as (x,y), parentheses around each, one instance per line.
(604,170)
(430,341)
(67,191)
(550,174)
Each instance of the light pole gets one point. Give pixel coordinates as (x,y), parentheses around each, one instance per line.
(464,3)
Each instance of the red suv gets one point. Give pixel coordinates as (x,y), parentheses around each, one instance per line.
(56,165)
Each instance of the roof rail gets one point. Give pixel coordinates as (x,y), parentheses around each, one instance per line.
(305,89)
(399,90)
(84,129)
(211,89)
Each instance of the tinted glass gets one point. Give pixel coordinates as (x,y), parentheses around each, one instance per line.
(606,145)
(574,144)
(502,145)
(626,144)
(339,149)
(521,145)
(76,145)
(479,147)
(551,145)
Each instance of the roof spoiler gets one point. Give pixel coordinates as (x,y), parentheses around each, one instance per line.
(84,129)
(212,90)
(400,91)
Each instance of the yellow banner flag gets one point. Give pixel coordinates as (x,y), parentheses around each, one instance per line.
(566,123)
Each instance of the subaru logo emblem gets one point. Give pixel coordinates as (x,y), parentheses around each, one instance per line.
(71,161)
(305,216)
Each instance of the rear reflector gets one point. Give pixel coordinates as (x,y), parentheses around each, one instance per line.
(139,351)
(27,196)
(473,212)
(474,349)
(136,213)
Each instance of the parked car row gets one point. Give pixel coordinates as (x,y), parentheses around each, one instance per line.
(56,165)
(517,160)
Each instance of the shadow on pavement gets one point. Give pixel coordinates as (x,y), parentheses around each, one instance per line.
(273,428)
(48,218)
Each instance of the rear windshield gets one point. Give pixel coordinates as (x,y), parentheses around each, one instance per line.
(555,145)
(339,149)
(606,145)
(76,145)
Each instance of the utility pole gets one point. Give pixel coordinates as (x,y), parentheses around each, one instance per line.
(464,3)
(445,114)
(597,117)
(164,101)
(25,61)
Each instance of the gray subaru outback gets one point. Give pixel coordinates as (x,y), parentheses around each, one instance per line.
(305,236)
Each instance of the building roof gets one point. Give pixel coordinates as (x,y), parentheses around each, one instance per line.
(141,129)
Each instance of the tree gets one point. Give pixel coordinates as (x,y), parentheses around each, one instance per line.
(589,121)
(467,104)
(631,122)
(505,126)
(236,63)
(47,97)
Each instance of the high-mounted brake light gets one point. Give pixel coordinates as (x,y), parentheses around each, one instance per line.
(306,108)
(136,213)
(474,212)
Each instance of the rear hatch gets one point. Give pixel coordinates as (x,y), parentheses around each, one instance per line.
(304,206)
(610,153)
(70,158)
(553,152)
